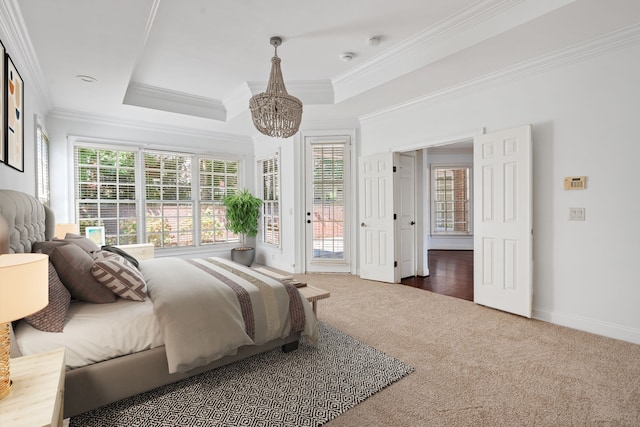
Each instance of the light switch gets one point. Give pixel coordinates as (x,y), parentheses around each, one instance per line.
(576,214)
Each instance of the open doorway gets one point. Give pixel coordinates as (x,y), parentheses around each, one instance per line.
(502,220)
(450,273)
(448,221)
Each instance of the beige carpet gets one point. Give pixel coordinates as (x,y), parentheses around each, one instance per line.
(476,366)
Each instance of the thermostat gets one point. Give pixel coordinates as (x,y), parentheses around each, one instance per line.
(575,183)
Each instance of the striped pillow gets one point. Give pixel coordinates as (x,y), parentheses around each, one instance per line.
(122,277)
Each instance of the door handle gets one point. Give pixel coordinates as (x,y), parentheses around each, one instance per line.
(363,225)
(412,223)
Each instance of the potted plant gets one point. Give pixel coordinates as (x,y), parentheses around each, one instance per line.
(243,212)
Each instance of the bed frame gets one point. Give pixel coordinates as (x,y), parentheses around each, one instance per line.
(99,384)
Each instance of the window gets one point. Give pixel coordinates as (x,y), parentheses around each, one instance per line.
(168,201)
(165,198)
(451,200)
(268,171)
(105,182)
(218,178)
(42,164)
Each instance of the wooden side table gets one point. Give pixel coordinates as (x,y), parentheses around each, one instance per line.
(139,250)
(313,295)
(37,398)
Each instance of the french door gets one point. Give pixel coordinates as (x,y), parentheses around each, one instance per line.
(327,203)
(503,226)
(377,229)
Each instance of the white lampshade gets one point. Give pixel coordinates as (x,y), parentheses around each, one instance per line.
(24,285)
(24,289)
(62,230)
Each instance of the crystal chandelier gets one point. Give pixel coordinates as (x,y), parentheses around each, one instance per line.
(275,112)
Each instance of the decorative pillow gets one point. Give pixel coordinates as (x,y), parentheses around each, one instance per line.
(122,253)
(51,318)
(100,255)
(47,247)
(86,244)
(122,277)
(73,265)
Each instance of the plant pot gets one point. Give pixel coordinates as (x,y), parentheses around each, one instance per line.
(243,256)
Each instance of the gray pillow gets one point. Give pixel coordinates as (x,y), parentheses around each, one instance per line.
(74,266)
(47,247)
(86,244)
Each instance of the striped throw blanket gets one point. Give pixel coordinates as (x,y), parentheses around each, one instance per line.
(208,308)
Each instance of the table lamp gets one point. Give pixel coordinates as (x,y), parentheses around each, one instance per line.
(61,230)
(24,290)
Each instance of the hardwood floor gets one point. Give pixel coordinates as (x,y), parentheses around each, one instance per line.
(451,273)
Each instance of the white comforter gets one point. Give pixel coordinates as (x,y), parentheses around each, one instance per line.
(96,332)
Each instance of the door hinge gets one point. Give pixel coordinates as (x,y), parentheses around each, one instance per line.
(395,216)
(394,168)
(395,263)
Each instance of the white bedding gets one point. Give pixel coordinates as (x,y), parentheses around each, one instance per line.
(96,332)
(200,310)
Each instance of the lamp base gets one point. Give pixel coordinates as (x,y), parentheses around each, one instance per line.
(5,379)
(7,390)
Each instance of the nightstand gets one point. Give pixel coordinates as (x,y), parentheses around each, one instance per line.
(139,250)
(37,398)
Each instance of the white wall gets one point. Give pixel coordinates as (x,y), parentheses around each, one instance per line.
(584,116)
(286,256)
(34,104)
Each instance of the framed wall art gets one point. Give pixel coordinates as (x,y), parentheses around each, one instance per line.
(14,129)
(95,234)
(2,98)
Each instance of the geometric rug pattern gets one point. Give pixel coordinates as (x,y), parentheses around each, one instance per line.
(307,387)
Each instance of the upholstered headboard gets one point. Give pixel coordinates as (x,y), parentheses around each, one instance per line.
(28,220)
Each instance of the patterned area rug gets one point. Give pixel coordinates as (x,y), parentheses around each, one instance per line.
(307,387)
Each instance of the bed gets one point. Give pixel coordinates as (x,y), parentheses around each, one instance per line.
(160,321)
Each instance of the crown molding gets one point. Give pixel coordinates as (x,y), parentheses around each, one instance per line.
(615,40)
(63,114)
(18,45)
(142,95)
(310,92)
(238,102)
(476,23)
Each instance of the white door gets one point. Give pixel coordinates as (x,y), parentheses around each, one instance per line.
(503,220)
(327,204)
(377,251)
(406,217)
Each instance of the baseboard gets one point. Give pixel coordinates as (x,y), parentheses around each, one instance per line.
(586,324)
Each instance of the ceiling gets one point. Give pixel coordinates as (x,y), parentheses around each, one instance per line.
(196,63)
